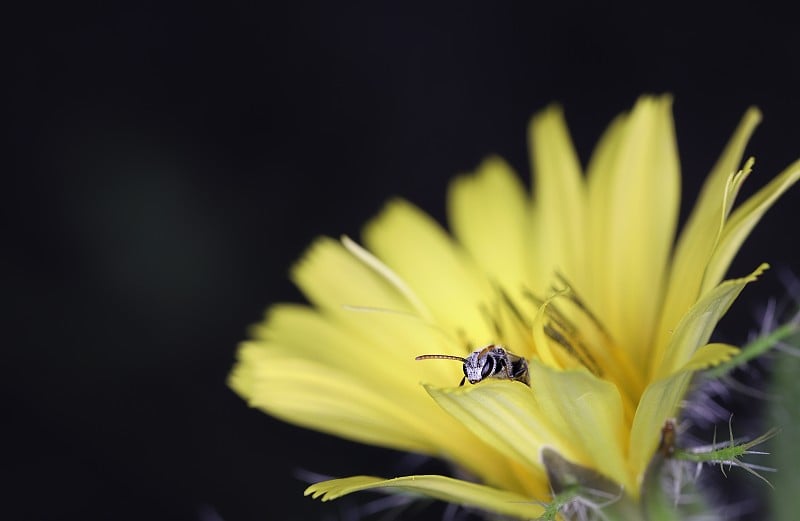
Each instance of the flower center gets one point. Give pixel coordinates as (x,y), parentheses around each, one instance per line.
(562,331)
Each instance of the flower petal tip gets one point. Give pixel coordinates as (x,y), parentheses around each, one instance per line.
(763,267)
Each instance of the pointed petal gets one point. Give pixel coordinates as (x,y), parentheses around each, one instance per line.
(559,195)
(633,203)
(728,162)
(694,247)
(439,487)
(701,263)
(587,413)
(742,221)
(487,212)
(696,326)
(505,415)
(415,247)
(659,402)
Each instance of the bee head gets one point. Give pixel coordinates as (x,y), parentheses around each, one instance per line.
(479,365)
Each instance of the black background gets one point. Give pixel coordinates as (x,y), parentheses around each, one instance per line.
(168,162)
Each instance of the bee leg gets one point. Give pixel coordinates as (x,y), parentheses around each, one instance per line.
(462,381)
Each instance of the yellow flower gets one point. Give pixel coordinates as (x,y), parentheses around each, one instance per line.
(582,280)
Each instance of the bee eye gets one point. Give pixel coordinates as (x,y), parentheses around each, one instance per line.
(488,368)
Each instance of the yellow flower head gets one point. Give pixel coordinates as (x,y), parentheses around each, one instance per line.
(584,282)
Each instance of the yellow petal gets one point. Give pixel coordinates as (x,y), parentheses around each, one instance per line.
(385,321)
(378,348)
(543,347)
(560,199)
(331,277)
(742,221)
(699,236)
(695,246)
(587,413)
(551,352)
(661,399)
(440,487)
(487,212)
(387,274)
(505,415)
(710,355)
(633,202)
(319,397)
(727,164)
(659,402)
(415,247)
(696,326)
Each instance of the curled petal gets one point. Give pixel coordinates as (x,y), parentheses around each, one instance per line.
(694,246)
(742,221)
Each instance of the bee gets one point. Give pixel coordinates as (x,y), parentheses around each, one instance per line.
(491,361)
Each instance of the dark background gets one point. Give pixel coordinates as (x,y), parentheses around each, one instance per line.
(168,162)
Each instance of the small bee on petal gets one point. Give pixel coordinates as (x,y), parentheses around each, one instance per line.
(491,361)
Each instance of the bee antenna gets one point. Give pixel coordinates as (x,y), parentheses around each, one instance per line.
(443,357)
